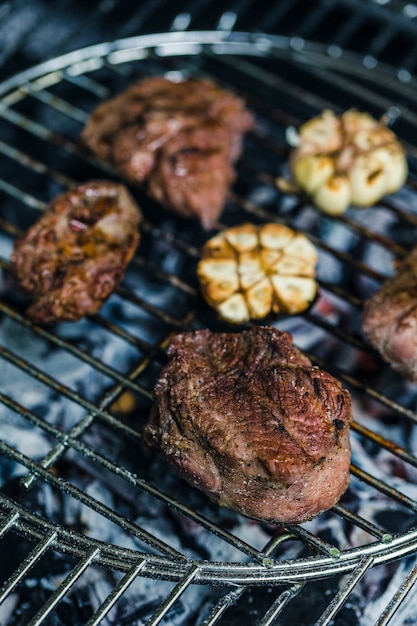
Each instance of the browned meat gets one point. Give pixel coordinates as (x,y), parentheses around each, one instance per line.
(246,418)
(192,167)
(183,138)
(389,319)
(75,255)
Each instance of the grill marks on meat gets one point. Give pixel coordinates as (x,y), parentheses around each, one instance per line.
(247,418)
(72,259)
(183,138)
(389,319)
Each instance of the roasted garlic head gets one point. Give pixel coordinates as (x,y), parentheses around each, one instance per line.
(348,159)
(248,271)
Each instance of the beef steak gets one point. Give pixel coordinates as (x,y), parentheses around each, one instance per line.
(246,418)
(182,138)
(389,319)
(75,255)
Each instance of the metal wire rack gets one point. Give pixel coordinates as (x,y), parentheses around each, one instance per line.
(284,81)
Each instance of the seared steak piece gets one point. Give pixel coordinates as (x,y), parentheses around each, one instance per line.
(183,138)
(193,174)
(75,255)
(246,418)
(389,319)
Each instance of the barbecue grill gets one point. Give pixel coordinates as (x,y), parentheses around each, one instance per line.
(83,505)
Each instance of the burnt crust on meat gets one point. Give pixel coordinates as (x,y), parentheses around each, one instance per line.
(247,419)
(182,138)
(389,318)
(75,255)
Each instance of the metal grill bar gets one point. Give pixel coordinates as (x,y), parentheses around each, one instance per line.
(360,522)
(178,590)
(323,68)
(94,504)
(384,488)
(58,104)
(117,592)
(8,523)
(81,427)
(279,604)
(62,590)
(399,597)
(65,391)
(30,525)
(374,394)
(20,573)
(253,209)
(34,164)
(338,601)
(310,23)
(232,573)
(222,605)
(315,543)
(98,365)
(385,443)
(40,131)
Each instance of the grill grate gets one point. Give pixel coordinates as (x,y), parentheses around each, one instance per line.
(285,81)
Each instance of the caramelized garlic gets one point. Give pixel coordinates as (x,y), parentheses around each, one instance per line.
(247,272)
(348,159)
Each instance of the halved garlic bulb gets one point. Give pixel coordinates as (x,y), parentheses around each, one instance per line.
(248,271)
(348,159)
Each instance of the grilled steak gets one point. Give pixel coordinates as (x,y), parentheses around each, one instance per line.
(247,418)
(75,255)
(193,174)
(183,138)
(389,319)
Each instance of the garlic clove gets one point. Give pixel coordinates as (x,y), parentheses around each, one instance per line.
(217,268)
(249,262)
(242,238)
(294,266)
(250,270)
(234,309)
(321,133)
(312,170)
(217,246)
(365,140)
(259,299)
(368,179)
(269,258)
(219,290)
(248,279)
(294,293)
(356,121)
(274,236)
(396,166)
(334,196)
(301,247)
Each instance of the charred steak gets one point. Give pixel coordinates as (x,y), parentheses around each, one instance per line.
(183,138)
(75,255)
(389,319)
(247,418)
